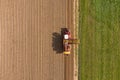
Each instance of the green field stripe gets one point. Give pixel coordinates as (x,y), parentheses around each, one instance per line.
(81,57)
(83,9)
(100,40)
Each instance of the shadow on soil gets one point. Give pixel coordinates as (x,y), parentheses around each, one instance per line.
(57,41)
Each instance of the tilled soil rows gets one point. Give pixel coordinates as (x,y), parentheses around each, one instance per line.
(31,41)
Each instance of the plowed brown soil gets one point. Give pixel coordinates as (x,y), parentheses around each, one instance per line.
(30,40)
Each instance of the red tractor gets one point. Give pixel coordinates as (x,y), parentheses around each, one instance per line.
(67,41)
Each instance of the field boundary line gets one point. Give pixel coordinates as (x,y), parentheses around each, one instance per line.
(75,25)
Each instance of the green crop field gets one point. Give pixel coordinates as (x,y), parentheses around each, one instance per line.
(99,33)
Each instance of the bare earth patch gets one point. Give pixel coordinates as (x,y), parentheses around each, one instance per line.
(28,45)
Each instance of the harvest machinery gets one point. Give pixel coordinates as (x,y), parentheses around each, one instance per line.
(67,41)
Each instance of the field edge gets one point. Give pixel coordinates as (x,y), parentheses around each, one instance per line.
(76,27)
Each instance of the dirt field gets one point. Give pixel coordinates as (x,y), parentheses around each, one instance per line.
(30,40)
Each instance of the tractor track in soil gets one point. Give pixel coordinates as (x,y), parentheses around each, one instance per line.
(29,31)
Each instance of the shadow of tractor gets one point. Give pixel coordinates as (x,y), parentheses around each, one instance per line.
(57,41)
